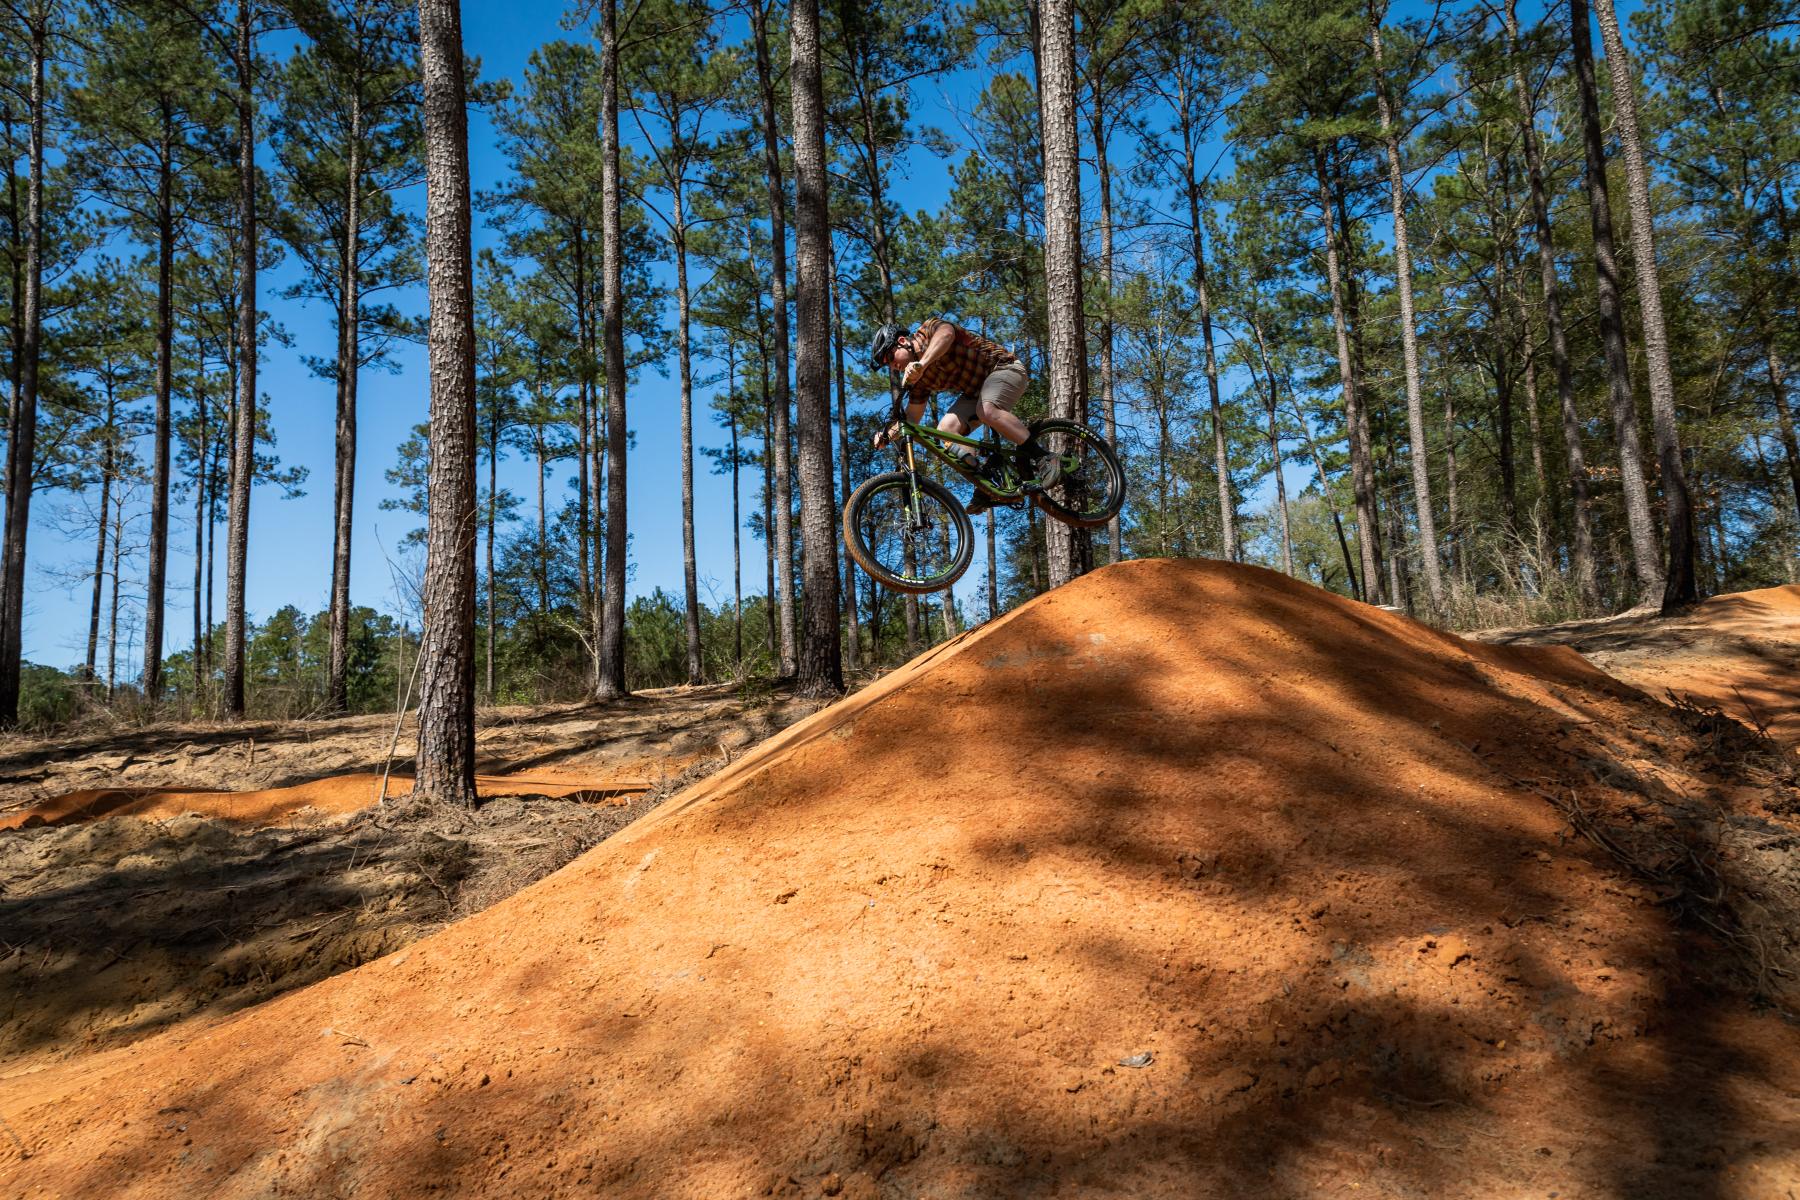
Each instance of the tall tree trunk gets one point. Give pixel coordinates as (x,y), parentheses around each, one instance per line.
(768,463)
(446,759)
(1287,540)
(22,446)
(690,576)
(543,526)
(586,501)
(106,478)
(1361,471)
(612,325)
(200,468)
(1581,552)
(1062,254)
(1646,558)
(737,530)
(212,546)
(1113,527)
(157,572)
(1783,415)
(782,531)
(1451,518)
(843,420)
(1409,341)
(1679,585)
(492,515)
(821,651)
(15,330)
(1318,461)
(337,688)
(1162,473)
(1228,535)
(243,461)
(112,620)
(1540,521)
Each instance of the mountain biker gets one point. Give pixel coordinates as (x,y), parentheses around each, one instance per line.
(942,357)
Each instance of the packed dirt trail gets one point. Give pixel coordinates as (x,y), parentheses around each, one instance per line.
(1185,879)
(1739,653)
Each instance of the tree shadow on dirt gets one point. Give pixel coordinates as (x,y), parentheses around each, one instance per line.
(121,928)
(923,951)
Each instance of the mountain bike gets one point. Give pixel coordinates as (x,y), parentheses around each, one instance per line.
(912,534)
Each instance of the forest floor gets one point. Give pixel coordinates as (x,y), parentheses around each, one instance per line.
(1185,879)
(136,890)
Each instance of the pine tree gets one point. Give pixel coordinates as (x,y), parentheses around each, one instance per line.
(820,665)
(446,773)
(347,137)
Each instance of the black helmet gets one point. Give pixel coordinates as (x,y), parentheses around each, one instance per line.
(883,343)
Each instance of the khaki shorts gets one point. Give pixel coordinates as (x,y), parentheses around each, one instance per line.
(1002,388)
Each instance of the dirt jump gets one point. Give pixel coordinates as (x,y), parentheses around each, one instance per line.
(1739,653)
(1186,879)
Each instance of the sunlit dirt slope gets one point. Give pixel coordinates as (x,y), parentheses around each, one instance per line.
(1186,879)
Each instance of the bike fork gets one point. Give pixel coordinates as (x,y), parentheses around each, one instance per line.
(912,489)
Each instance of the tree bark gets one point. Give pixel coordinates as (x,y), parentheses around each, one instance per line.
(1228,535)
(737,527)
(243,460)
(1581,552)
(1287,541)
(843,420)
(821,651)
(106,476)
(1361,471)
(22,445)
(782,532)
(543,526)
(446,760)
(690,577)
(161,422)
(337,691)
(612,336)
(1646,558)
(112,620)
(585,501)
(198,665)
(1113,528)
(1783,415)
(1062,253)
(492,515)
(1679,584)
(1409,340)
(768,464)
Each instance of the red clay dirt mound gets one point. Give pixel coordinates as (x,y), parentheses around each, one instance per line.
(1185,879)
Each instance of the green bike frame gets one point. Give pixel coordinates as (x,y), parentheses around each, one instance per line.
(936,442)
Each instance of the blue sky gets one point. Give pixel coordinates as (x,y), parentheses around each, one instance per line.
(290,540)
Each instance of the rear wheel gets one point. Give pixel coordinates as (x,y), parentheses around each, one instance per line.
(910,540)
(1083,485)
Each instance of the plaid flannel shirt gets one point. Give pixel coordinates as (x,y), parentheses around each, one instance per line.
(963,368)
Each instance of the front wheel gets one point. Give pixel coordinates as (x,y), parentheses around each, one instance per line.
(1082,483)
(911,539)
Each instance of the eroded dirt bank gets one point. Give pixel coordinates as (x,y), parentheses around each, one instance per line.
(127,909)
(1187,879)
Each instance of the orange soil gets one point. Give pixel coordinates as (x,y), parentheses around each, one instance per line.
(1186,879)
(1761,680)
(1738,652)
(335,795)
